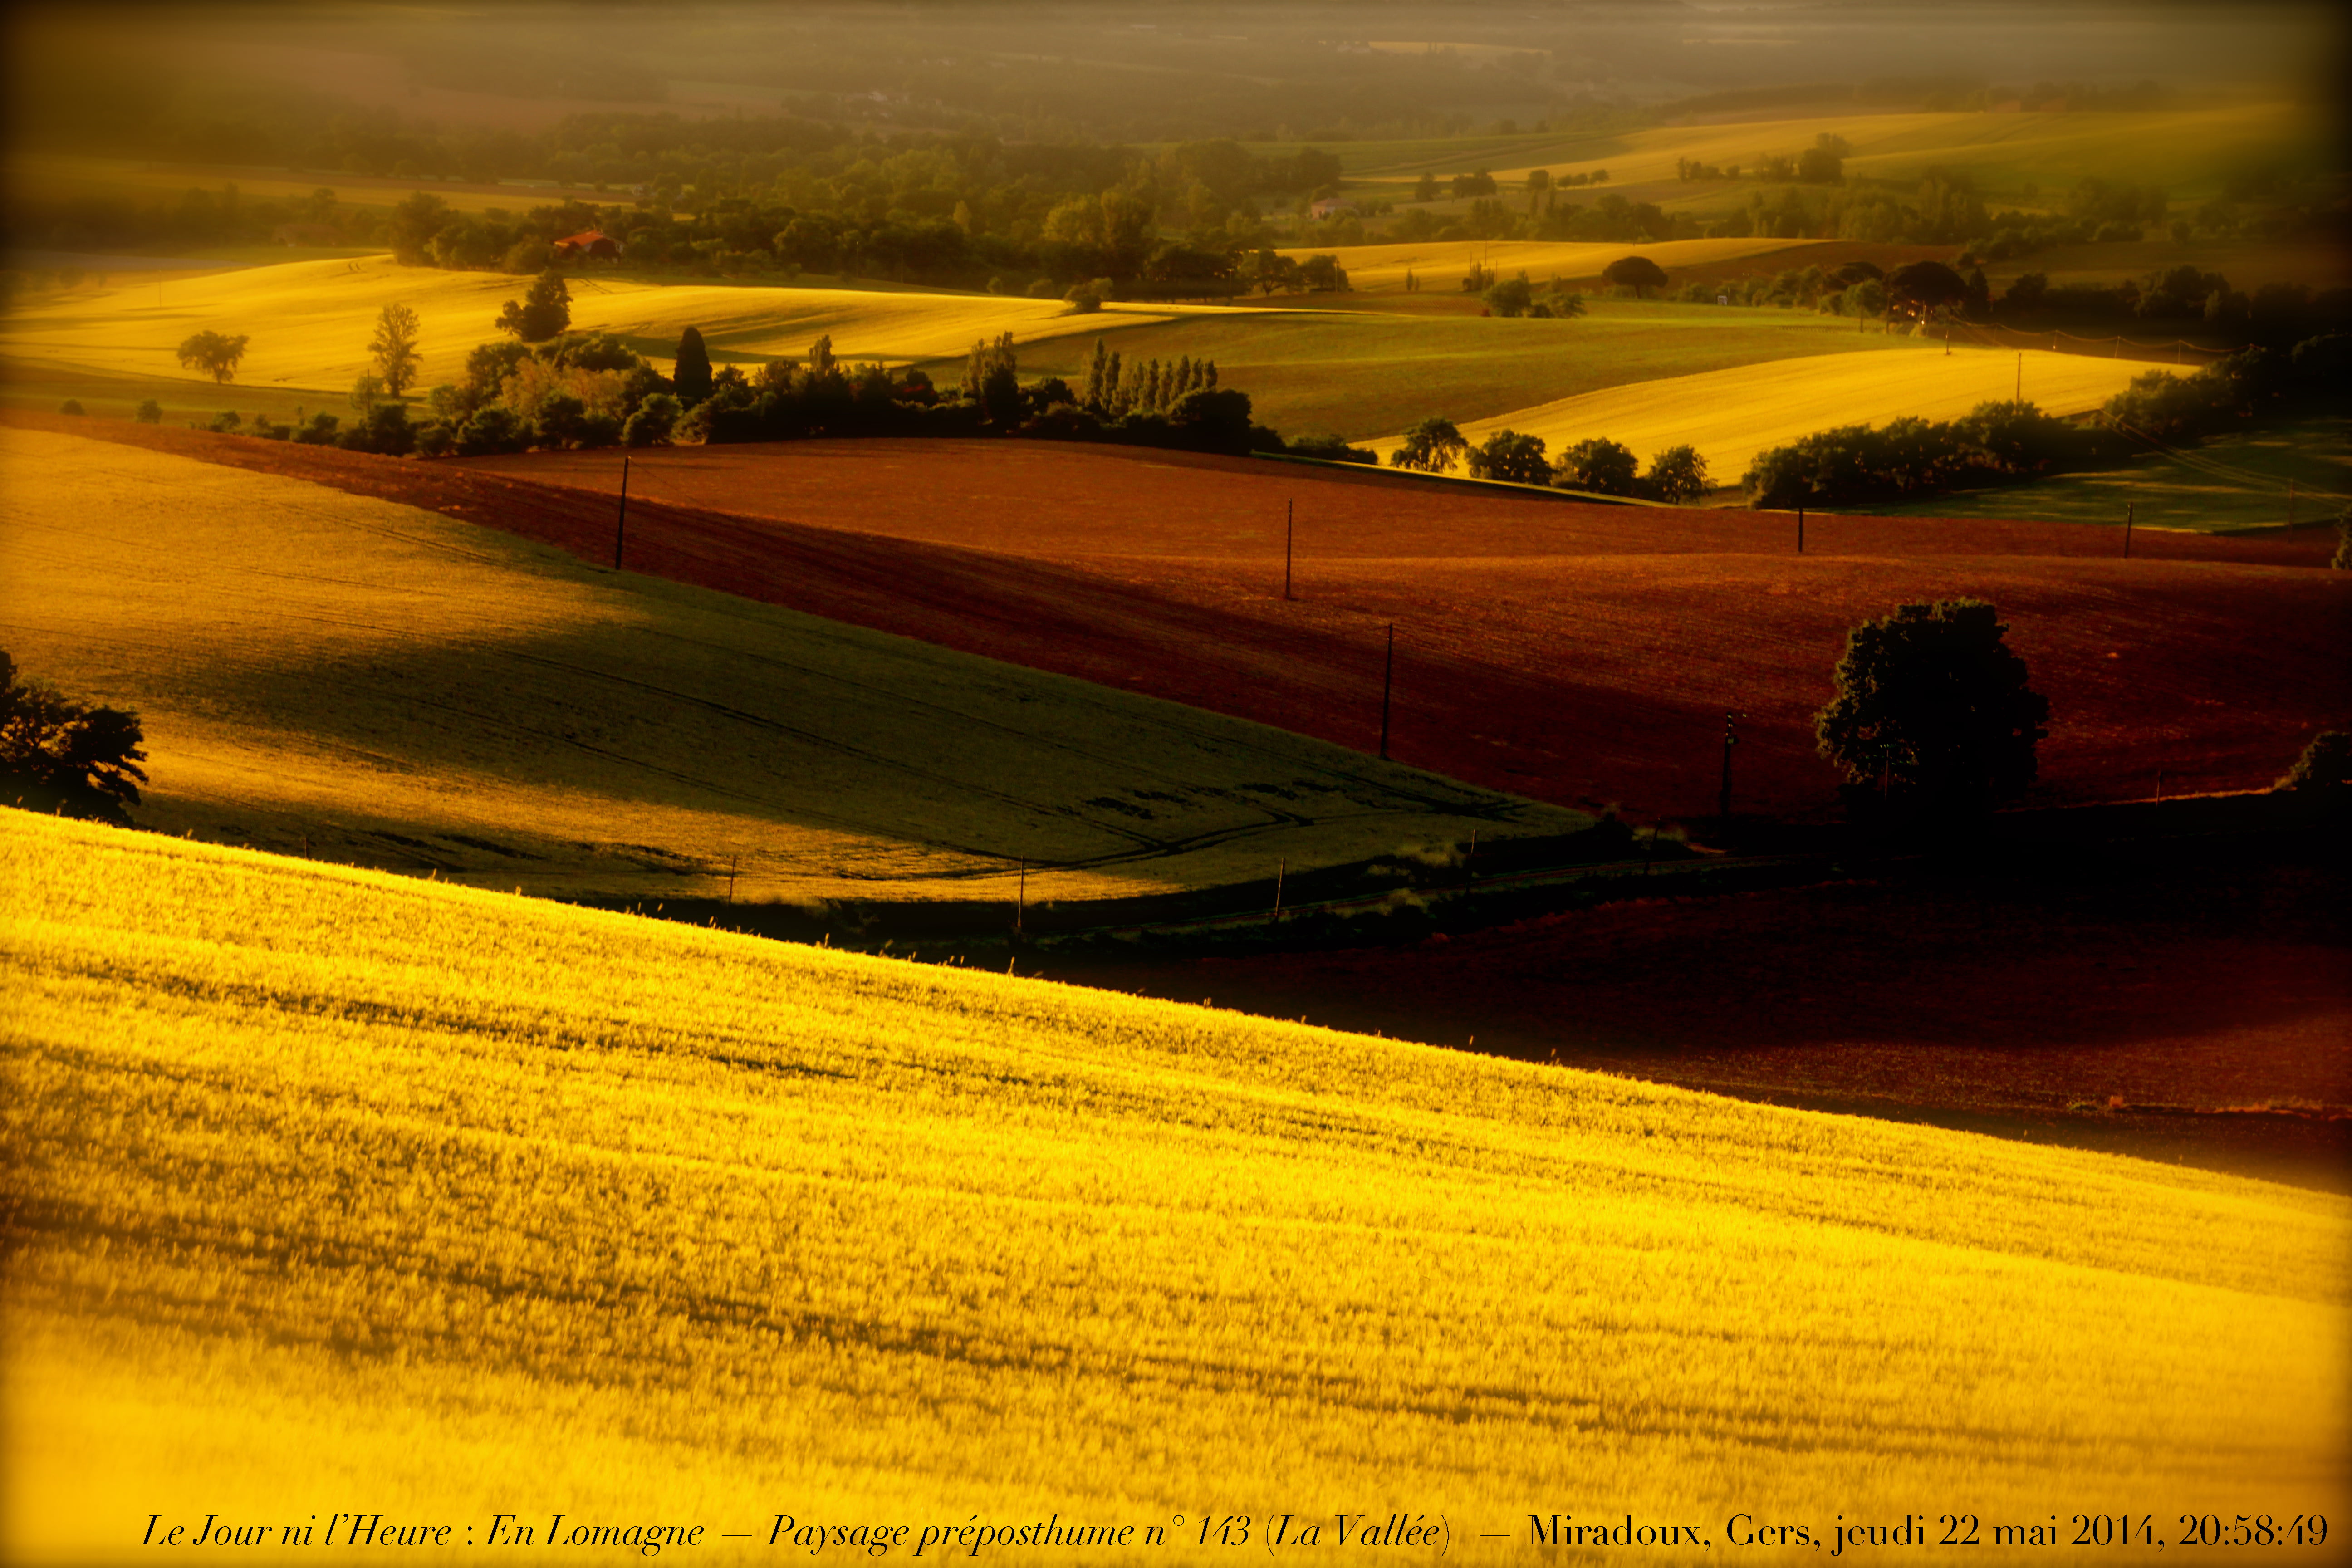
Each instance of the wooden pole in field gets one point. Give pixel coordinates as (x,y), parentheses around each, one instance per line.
(1289,525)
(1280,866)
(734,864)
(621,523)
(1730,739)
(2128,527)
(1020,897)
(1388,684)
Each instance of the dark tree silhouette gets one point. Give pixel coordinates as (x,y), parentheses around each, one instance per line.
(1927,285)
(1932,712)
(1600,465)
(692,373)
(1638,273)
(542,314)
(57,754)
(215,353)
(1509,455)
(1431,447)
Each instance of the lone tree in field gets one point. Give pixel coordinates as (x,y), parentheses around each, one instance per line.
(692,375)
(57,754)
(394,348)
(1932,708)
(215,353)
(1430,447)
(1600,465)
(544,311)
(1678,474)
(1638,273)
(2324,767)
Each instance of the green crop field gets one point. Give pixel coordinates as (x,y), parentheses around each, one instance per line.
(1360,373)
(366,681)
(310,321)
(1732,414)
(338,1188)
(2233,482)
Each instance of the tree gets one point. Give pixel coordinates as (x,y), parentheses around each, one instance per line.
(1925,286)
(1511,297)
(1601,466)
(1430,447)
(544,311)
(1638,273)
(692,375)
(1678,474)
(2325,766)
(57,754)
(2343,561)
(394,348)
(653,423)
(215,354)
(1933,708)
(1507,455)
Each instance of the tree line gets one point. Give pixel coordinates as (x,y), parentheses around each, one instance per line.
(1596,467)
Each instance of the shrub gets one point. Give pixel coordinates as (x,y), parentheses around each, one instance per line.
(150,413)
(1331,449)
(653,423)
(57,754)
(71,406)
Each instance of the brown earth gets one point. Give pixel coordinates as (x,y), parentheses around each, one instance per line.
(2175,1005)
(1580,654)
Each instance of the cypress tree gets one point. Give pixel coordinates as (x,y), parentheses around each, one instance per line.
(1209,382)
(691,373)
(1095,368)
(1113,393)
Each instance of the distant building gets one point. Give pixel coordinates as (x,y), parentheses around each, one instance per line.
(1332,206)
(588,246)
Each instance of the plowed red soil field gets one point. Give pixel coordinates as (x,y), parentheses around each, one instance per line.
(2174,1003)
(1580,654)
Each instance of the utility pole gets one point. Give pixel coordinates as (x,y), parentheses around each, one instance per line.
(1388,683)
(734,864)
(2128,507)
(621,523)
(1730,739)
(1020,897)
(1289,524)
(1280,866)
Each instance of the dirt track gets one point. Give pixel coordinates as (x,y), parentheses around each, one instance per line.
(1580,654)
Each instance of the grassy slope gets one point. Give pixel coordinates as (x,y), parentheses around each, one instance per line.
(2234,481)
(2185,151)
(323,1176)
(310,320)
(1732,414)
(1359,373)
(391,683)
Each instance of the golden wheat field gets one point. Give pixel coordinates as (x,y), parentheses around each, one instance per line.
(339,1189)
(1440,265)
(309,321)
(1732,414)
(360,681)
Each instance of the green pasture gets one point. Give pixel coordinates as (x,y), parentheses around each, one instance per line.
(334,675)
(1363,372)
(2236,482)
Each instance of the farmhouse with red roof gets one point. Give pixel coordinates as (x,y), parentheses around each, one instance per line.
(589,244)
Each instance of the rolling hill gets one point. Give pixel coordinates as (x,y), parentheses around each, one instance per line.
(325,1178)
(363,680)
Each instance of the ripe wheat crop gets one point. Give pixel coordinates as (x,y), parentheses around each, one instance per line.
(310,320)
(1439,265)
(373,683)
(1732,414)
(330,1185)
